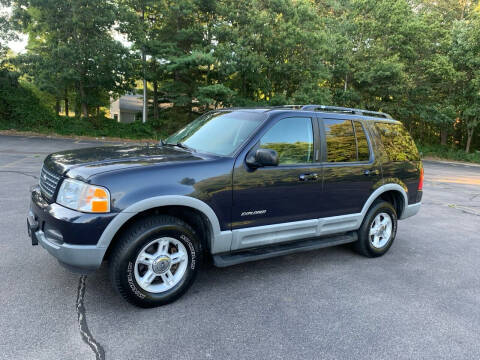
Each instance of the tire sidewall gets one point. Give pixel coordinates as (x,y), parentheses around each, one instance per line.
(382,207)
(127,265)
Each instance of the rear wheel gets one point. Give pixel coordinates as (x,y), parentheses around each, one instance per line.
(155,261)
(378,230)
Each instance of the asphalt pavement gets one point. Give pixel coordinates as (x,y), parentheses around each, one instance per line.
(419,301)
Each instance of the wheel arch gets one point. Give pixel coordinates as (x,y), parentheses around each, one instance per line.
(195,212)
(393,193)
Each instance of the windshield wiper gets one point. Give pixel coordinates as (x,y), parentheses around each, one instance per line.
(186,147)
(180,145)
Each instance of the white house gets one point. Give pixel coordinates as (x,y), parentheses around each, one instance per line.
(127,108)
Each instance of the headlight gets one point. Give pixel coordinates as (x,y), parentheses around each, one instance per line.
(84,197)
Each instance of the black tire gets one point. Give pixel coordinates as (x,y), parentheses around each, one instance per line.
(133,240)
(364,244)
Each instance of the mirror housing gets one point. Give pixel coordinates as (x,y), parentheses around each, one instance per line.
(262,157)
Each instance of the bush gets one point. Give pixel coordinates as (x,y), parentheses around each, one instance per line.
(22,110)
(19,107)
(447,152)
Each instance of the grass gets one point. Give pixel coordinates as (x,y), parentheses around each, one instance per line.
(103,127)
(448,153)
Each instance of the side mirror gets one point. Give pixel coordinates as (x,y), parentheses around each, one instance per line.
(262,157)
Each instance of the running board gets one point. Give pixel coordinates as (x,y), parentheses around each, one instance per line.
(247,255)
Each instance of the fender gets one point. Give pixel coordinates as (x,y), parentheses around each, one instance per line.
(220,241)
(381,190)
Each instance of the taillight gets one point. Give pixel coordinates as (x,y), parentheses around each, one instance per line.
(420,183)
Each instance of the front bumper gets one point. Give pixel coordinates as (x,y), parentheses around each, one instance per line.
(68,235)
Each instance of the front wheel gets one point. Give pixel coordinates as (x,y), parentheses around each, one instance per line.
(155,261)
(378,230)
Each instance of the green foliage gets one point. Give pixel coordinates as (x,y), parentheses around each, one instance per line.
(448,152)
(417,60)
(6,30)
(19,107)
(22,108)
(71,49)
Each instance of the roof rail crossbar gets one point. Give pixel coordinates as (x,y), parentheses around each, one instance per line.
(346,110)
(292,106)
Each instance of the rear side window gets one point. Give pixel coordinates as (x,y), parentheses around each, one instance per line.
(362,142)
(346,141)
(397,142)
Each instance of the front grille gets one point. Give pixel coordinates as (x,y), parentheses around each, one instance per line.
(48,183)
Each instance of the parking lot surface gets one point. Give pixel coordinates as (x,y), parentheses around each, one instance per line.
(419,301)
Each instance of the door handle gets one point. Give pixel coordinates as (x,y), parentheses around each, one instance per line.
(371,172)
(308,177)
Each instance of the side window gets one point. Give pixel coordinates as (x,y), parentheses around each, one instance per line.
(341,146)
(397,142)
(292,139)
(362,142)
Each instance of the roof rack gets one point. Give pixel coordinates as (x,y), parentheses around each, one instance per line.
(300,107)
(346,110)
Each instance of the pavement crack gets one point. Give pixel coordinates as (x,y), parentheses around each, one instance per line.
(474,196)
(87,336)
(19,172)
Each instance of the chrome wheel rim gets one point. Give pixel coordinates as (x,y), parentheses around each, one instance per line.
(380,230)
(161,264)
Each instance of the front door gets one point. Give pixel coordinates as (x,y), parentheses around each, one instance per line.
(286,193)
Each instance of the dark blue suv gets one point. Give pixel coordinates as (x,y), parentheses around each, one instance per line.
(235,185)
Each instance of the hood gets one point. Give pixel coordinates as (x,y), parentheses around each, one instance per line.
(90,161)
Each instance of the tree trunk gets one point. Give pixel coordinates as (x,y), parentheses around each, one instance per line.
(244,86)
(57,106)
(84,107)
(443,136)
(66,102)
(469,139)
(155,100)
(77,107)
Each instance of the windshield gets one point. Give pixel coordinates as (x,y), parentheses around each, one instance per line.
(219,133)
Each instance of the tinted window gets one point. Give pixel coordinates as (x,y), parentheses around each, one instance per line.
(341,145)
(397,142)
(292,139)
(218,132)
(362,143)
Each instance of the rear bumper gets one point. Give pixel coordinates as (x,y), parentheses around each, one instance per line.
(411,210)
(55,228)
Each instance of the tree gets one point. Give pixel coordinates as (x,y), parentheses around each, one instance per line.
(6,29)
(71,47)
(465,55)
(272,51)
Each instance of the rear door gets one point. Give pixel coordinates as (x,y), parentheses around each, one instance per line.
(350,170)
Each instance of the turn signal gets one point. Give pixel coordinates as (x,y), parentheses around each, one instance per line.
(80,196)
